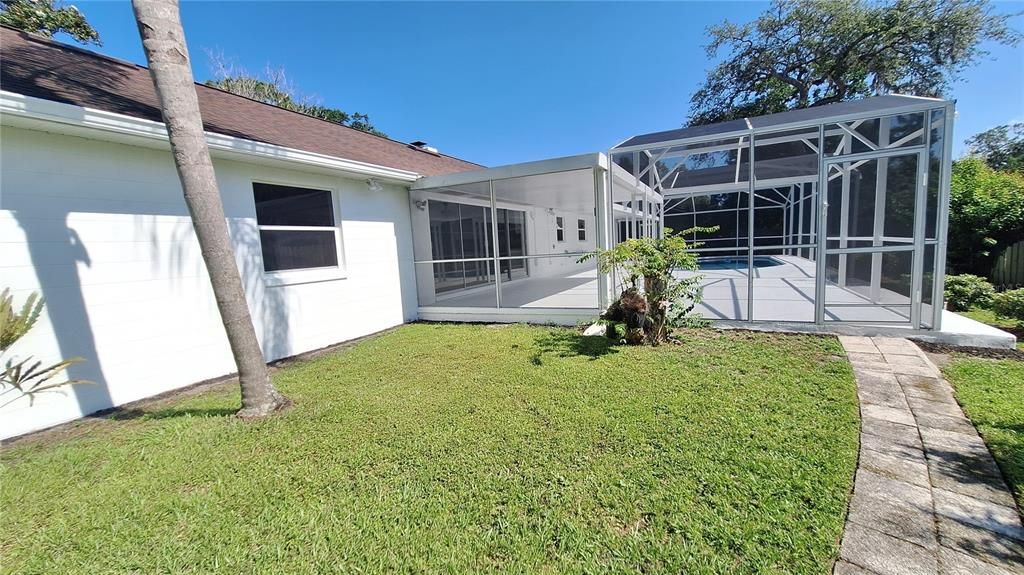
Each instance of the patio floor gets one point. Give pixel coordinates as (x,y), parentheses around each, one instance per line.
(786,293)
(781,293)
(573,290)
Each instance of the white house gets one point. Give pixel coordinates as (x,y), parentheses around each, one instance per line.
(92,217)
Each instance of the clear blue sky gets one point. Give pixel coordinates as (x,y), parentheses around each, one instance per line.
(498,83)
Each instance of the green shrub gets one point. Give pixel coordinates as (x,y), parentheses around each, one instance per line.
(986,215)
(1009,304)
(966,291)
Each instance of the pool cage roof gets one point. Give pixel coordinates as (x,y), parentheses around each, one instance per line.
(805,117)
(714,158)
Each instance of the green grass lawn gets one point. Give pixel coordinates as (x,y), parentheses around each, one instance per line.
(458,448)
(992,394)
(989,317)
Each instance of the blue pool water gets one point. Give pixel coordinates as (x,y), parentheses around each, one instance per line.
(736,263)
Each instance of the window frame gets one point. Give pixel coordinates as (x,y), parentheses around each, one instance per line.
(559,229)
(581,229)
(302,275)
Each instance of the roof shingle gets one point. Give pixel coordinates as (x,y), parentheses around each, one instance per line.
(43,68)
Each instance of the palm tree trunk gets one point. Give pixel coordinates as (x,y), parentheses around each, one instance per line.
(164,43)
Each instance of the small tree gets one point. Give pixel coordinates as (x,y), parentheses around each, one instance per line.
(46,18)
(27,376)
(655,299)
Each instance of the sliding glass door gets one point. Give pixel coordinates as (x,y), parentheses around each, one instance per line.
(463,232)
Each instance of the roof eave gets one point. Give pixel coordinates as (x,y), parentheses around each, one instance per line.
(24,111)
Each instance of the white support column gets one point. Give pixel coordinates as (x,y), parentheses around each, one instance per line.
(603,222)
(917,264)
(819,216)
(497,249)
(814,231)
(938,298)
(844,211)
(750,231)
(878,227)
(800,221)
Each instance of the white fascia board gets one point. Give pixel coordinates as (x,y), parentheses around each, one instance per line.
(551,166)
(18,110)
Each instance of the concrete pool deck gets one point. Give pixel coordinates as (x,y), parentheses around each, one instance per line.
(783,301)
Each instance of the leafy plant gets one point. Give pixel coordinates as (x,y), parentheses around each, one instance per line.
(1009,304)
(27,376)
(966,291)
(655,299)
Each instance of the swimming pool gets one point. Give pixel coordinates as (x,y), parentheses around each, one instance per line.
(736,262)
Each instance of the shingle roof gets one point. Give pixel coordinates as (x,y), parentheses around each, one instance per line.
(43,68)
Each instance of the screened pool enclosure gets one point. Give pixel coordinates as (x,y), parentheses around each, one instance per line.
(828,215)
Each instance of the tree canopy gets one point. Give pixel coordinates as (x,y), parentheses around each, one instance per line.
(275,89)
(802,53)
(46,18)
(1001,147)
(986,215)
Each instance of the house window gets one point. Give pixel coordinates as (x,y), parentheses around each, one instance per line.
(296,226)
(581,229)
(559,229)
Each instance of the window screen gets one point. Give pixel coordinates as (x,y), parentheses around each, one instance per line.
(297,227)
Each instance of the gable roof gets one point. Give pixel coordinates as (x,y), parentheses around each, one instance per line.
(43,68)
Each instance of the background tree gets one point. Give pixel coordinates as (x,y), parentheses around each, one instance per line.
(46,18)
(163,41)
(986,215)
(1002,147)
(274,88)
(802,53)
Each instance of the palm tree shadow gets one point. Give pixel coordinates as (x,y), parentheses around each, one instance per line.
(564,343)
(169,412)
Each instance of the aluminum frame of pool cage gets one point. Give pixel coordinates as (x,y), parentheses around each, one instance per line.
(644,155)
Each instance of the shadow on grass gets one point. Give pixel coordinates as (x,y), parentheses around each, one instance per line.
(569,344)
(170,412)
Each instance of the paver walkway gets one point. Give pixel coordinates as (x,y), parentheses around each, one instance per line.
(928,497)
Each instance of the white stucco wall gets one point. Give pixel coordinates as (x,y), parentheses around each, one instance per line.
(101,230)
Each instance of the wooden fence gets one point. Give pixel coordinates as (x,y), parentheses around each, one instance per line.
(1008,272)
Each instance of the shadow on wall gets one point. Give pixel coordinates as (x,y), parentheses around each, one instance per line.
(183,259)
(56,252)
(267,304)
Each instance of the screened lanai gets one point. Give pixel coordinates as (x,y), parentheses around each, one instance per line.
(542,217)
(839,219)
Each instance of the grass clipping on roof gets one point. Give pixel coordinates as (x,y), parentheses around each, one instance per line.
(462,448)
